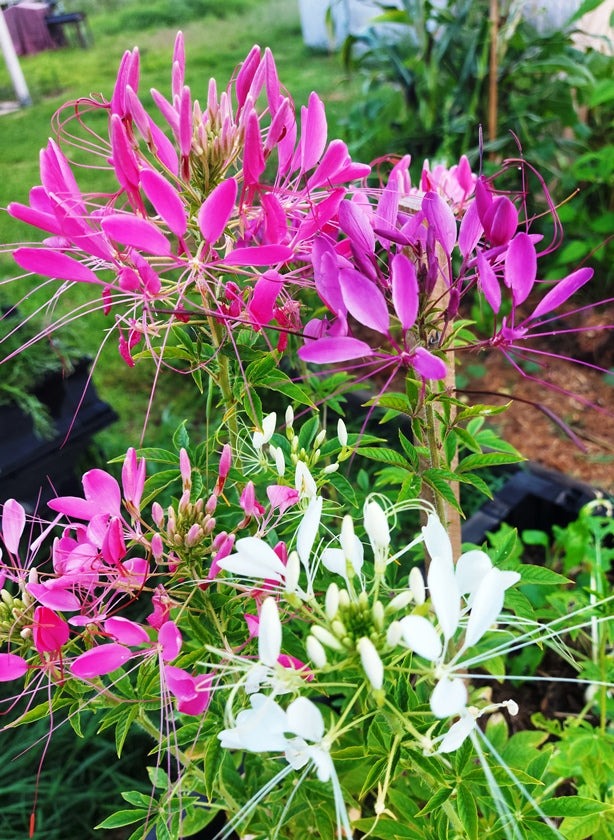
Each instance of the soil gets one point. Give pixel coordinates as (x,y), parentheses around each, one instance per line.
(580,395)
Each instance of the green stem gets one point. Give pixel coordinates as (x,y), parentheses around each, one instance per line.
(223,382)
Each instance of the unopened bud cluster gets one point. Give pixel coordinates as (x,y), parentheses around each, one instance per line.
(355,626)
(15,615)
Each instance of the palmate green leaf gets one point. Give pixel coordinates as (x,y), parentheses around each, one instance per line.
(410,450)
(375,773)
(467,811)
(257,370)
(123,727)
(436,801)
(387,829)
(124,817)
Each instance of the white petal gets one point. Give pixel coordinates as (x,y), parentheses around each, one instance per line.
(471,569)
(417,586)
(305,720)
(449,697)
(444,594)
(304,483)
(487,604)
(333,559)
(437,540)
(308,529)
(253,558)
(457,734)
(269,633)
(420,636)
(259,729)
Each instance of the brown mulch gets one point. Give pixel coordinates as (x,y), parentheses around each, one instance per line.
(580,395)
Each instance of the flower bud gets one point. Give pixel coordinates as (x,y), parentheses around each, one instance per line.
(330,468)
(315,652)
(342,432)
(371,662)
(331,604)
(320,438)
(326,637)
(416,586)
(400,601)
(378,615)
(394,634)
(157,514)
(185,468)
(293,571)
(289,417)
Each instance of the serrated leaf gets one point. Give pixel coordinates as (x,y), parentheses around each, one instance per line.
(540,576)
(343,487)
(438,798)
(467,811)
(467,439)
(278,381)
(181,438)
(384,456)
(410,450)
(395,402)
(156,483)
(375,773)
(256,371)
(123,727)
(441,485)
(574,806)
(486,459)
(136,798)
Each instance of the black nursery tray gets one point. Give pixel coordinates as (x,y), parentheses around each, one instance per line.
(533,497)
(32,470)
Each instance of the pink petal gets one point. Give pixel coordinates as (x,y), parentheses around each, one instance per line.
(441,218)
(356,223)
(124,160)
(102,489)
(313,132)
(13,524)
(169,638)
(562,291)
(259,255)
(214,214)
(335,158)
(404,290)
(470,230)
(281,497)
(331,350)
(136,232)
(125,631)
(12,667)
(428,365)
(246,74)
(520,267)
(253,157)
(100,660)
(49,631)
(364,300)
(264,295)
(37,218)
(73,506)
(54,598)
(165,200)
(51,263)
(489,283)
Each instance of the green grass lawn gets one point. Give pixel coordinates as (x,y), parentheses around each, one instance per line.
(214,46)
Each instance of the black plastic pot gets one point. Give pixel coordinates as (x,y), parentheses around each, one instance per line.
(32,470)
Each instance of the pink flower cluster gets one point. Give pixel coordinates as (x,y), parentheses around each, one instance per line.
(240,188)
(68,620)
